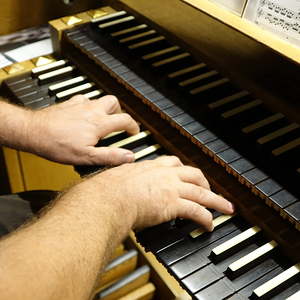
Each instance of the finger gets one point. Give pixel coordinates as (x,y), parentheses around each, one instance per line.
(75,100)
(190,210)
(193,175)
(109,104)
(108,156)
(119,122)
(168,161)
(205,197)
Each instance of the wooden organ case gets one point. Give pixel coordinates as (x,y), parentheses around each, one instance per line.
(220,101)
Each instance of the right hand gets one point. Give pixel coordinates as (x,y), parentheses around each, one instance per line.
(151,192)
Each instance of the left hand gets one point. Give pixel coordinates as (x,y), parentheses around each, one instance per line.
(68,132)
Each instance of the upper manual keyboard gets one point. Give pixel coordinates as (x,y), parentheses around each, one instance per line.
(259,147)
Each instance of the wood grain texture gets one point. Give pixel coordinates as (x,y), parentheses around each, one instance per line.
(18,14)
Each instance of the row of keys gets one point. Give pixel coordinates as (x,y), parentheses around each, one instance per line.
(46,85)
(181,68)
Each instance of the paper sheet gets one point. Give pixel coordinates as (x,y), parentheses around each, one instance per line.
(30,51)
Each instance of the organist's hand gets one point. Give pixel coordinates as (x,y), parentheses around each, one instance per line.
(68,132)
(152,192)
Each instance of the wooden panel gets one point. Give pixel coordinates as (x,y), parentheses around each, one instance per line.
(18,14)
(40,173)
(13,170)
(262,36)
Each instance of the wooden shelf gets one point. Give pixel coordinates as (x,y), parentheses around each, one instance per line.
(248,28)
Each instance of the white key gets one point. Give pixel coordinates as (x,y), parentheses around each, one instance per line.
(93,94)
(209,86)
(128,30)
(136,36)
(186,70)
(276,281)
(130,139)
(110,16)
(74,90)
(113,134)
(252,256)
(216,222)
(47,67)
(296,296)
(66,83)
(56,73)
(116,22)
(146,151)
(228,99)
(198,78)
(240,238)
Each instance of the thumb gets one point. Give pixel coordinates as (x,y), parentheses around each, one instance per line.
(110,156)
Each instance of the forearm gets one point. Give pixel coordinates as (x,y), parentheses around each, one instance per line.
(60,255)
(14,121)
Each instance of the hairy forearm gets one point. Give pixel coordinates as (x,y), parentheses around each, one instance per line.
(14,122)
(60,254)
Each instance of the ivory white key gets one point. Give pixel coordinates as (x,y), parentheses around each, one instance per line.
(208,86)
(93,94)
(277,281)
(240,238)
(252,256)
(136,36)
(197,78)
(160,52)
(146,43)
(278,133)
(228,99)
(41,69)
(186,70)
(57,73)
(113,134)
(116,22)
(146,151)
(296,296)
(128,30)
(75,90)
(170,60)
(61,85)
(110,16)
(241,108)
(216,222)
(262,123)
(130,139)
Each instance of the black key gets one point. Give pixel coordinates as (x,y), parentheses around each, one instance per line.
(294,211)
(291,290)
(184,119)
(164,103)
(187,246)
(154,96)
(268,187)
(205,137)
(173,111)
(198,259)
(254,176)
(194,127)
(216,146)
(227,156)
(219,290)
(241,165)
(283,199)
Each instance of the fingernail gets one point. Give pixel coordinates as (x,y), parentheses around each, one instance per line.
(129,157)
(231,206)
(211,228)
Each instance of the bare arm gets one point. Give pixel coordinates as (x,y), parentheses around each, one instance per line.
(68,132)
(59,255)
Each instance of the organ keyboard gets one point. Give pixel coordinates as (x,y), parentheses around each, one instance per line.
(253,254)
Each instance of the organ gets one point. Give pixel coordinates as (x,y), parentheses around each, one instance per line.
(218,100)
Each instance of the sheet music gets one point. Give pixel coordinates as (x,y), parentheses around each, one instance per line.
(235,6)
(279,16)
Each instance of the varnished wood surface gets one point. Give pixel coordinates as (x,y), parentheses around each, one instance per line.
(254,66)
(19,14)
